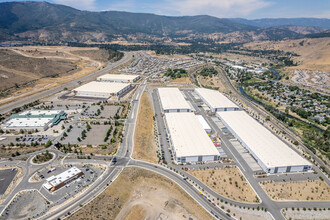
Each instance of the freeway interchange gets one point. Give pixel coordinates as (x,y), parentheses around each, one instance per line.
(123,159)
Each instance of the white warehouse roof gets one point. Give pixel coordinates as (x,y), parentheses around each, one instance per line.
(203,122)
(27,122)
(215,99)
(172,98)
(102,87)
(267,147)
(41,112)
(62,177)
(118,77)
(188,136)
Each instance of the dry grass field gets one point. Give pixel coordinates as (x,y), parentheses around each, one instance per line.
(314,53)
(214,81)
(94,54)
(27,70)
(303,190)
(141,194)
(235,56)
(228,182)
(6,151)
(182,80)
(144,140)
(16,69)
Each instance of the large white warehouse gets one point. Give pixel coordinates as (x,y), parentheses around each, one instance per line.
(172,100)
(273,155)
(122,78)
(215,100)
(102,90)
(189,141)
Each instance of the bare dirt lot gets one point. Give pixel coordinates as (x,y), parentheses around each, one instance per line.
(27,205)
(302,190)
(144,140)
(141,194)
(228,182)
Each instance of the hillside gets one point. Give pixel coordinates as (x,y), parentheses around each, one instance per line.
(275,22)
(314,54)
(43,22)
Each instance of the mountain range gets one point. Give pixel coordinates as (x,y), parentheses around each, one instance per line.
(46,22)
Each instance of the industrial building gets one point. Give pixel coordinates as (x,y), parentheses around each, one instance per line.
(35,119)
(271,153)
(204,123)
(55,182)
(172,100)
(102,90)
(215,100)
(119,78)
(189,141)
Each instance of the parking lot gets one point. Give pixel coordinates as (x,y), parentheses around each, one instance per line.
(24,139)
(107,112)
(6,176)
(96,135)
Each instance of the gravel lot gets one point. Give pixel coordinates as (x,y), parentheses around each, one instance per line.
(26,205)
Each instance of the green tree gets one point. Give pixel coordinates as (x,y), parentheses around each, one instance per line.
(48,144)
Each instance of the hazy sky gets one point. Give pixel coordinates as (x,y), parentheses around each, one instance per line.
(219,8)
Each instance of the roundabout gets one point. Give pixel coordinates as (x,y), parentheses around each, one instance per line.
(43,158)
